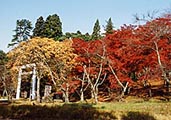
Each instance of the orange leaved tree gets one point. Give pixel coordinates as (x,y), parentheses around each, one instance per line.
(52,58)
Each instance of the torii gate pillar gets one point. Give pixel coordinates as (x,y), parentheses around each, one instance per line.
(19,84)
(33,95)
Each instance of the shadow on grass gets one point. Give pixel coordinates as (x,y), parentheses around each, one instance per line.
(137,116)
(65,112)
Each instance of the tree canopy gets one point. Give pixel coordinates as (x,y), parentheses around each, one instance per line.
(124,58)
(56,59)
(53,27)
(109,26)
(22,32)
(96,31)
(38,30)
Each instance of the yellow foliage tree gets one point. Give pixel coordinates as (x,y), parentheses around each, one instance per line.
(53,58)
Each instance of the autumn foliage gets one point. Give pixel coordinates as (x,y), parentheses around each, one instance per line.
(53,59)
(121,59)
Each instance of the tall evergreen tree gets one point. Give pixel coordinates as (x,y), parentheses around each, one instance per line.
(109,26)
(38,31)
(22,32)
(53,27)
(96,31)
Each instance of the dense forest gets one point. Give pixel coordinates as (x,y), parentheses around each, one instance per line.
(134,60)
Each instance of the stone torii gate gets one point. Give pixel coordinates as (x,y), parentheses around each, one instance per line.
(33,72)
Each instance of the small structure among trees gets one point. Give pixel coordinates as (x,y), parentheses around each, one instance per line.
(21,72)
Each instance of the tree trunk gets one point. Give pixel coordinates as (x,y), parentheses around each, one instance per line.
(82,92)
(82,96)
(124,90)
(117,79)
(96,94)
(66,97)
(38,89)
(96,97)
(119,82)
(82,89)
(66,93)
(160,63)
(161,66)
(92,93)
(5,92)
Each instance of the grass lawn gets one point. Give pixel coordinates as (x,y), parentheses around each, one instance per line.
(151,110)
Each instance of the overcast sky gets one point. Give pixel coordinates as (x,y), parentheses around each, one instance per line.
(74,14)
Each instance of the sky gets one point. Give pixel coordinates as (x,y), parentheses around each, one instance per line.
(74,14)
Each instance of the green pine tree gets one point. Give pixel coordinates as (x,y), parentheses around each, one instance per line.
(38,31)
(53,27)
(22,32)
(109,27)
(96,31)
